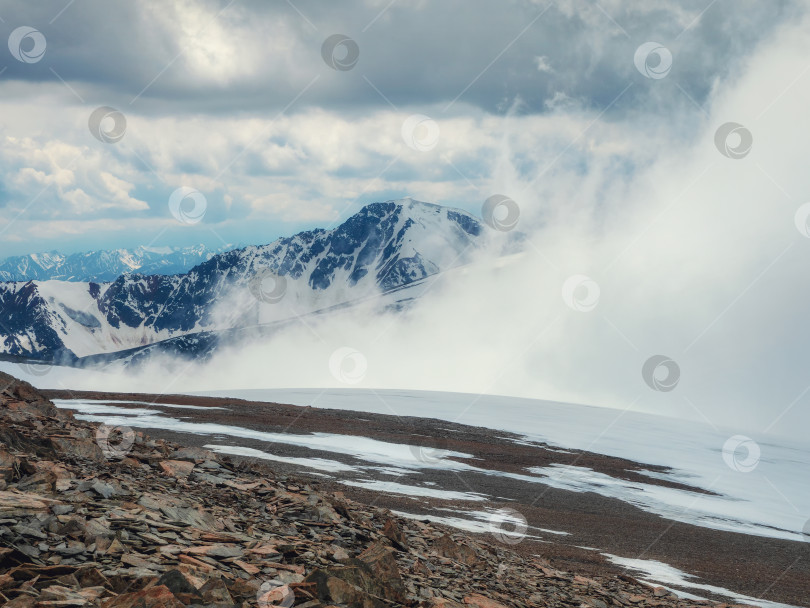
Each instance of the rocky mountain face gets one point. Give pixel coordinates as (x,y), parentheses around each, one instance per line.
(383,247)
(104,265)
(108,517)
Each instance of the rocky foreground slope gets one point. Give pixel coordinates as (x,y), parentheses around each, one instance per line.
(91,516)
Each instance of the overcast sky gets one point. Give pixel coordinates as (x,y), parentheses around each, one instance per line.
(656,150)
(237,100)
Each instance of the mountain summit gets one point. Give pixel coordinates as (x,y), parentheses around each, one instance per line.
(383,247)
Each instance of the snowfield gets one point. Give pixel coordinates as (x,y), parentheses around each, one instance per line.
(771,500)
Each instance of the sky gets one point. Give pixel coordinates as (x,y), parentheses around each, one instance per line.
(247,103)
(656,152)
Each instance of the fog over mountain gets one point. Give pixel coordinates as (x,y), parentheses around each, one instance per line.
(384,247)
(291,279)
(662,203)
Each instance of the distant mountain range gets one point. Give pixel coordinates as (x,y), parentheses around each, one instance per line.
(380,250)
(104,265)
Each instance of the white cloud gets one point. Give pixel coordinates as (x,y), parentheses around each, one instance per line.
(684,243)
(542,63)
(696,256)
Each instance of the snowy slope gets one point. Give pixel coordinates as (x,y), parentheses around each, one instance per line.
(743,502)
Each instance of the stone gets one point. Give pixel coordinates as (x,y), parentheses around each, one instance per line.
(57,595)
(178,583)
(9,465)
(75,447)
(340,591)
(20,504)
(190,516)
(395,535)
(216,591)
(177,468)
(480,601)
(443,602)
(105,490)
(249,568)
(217,550)
(154,597)
(383,566)
(23,601)
(42,482)
(193,454)
(461,553)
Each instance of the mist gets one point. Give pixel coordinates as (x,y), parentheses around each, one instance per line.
(675,249)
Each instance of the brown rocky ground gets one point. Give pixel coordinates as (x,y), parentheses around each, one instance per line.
(88,519)
(771,569)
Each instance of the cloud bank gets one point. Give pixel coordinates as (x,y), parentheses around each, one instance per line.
(235,100)
(692,243)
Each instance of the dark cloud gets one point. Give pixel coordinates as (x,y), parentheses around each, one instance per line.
(256,57)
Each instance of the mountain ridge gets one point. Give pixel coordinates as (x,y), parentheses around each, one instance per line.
(382,247)
(104,264)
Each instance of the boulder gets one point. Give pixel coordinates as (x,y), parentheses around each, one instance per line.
(158,596)
(384,569)
(458,552)
(476,600)
(77,447)
(19,504)
(177,468)
(335,586)
(392,531)
(193,454)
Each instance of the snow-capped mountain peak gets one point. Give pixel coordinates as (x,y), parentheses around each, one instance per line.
(383,247)
(104,265)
